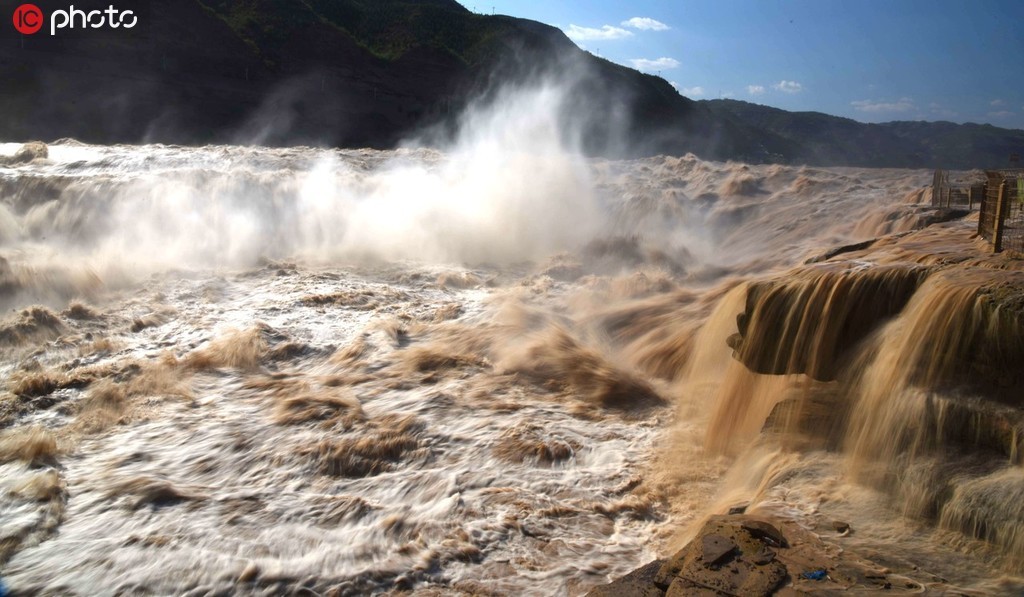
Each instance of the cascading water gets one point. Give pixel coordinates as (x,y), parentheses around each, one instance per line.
(904,367)
(503,367)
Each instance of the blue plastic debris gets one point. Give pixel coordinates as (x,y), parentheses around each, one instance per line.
(819,574)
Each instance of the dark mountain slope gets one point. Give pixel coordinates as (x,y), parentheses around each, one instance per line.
(374,72)
(815,138)
(329,72)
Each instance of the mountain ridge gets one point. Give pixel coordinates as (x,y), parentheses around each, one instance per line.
(353,73)
(837,140)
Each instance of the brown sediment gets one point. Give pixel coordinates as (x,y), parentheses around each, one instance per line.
(99,346)
(32,445)
(34,324)
(103,406)
(362,299)
(107,387)
(331,510)
(397,331)
(27,384)
(162,376)
(656,334)
(81,312)
(44,281)
(563,266)
(438,357)
(110,399)
(642,283)
(151,491)
(43,486)
(554,360)
(41,491)
(458,280)
(298,403)
(236,349)
(640,507)
(157,318)
(371,450)
(531,443)
(740,183)
(350,354)
(289,351)
(37,381)
(447,312)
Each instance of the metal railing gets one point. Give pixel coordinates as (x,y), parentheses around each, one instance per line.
(1003,210)
(999,200)
(959,193)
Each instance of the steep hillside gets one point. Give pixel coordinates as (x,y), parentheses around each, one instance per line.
(362,73)
(347,73)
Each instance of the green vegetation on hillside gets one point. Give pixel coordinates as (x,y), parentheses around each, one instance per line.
(386,28)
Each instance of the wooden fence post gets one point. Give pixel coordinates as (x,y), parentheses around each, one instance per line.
(997,236)
(983,207)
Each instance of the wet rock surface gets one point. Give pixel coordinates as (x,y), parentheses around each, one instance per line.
(638,583)
(749,556)
(704,568)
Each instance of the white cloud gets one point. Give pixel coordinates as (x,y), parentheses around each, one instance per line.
(996,103)
(1000,114)
(577,33)
(662,63)
(697,91)
(645,24)
(904,104)
(755,89)
(726,95)
(788,86)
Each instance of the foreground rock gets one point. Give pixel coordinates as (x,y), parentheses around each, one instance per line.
(751,556)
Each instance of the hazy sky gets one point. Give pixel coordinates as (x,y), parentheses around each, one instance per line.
(870,60)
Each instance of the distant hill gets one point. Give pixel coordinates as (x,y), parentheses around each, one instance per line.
(816,138)
(369,73)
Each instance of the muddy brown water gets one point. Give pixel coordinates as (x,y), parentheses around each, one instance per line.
(246,370)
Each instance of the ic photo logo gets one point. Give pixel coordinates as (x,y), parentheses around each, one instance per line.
(29,18)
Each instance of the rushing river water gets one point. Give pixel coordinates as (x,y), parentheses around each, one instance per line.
(488,370)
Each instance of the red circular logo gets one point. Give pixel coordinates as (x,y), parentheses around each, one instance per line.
(28,19)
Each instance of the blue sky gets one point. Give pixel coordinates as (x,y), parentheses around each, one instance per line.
(870,60)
